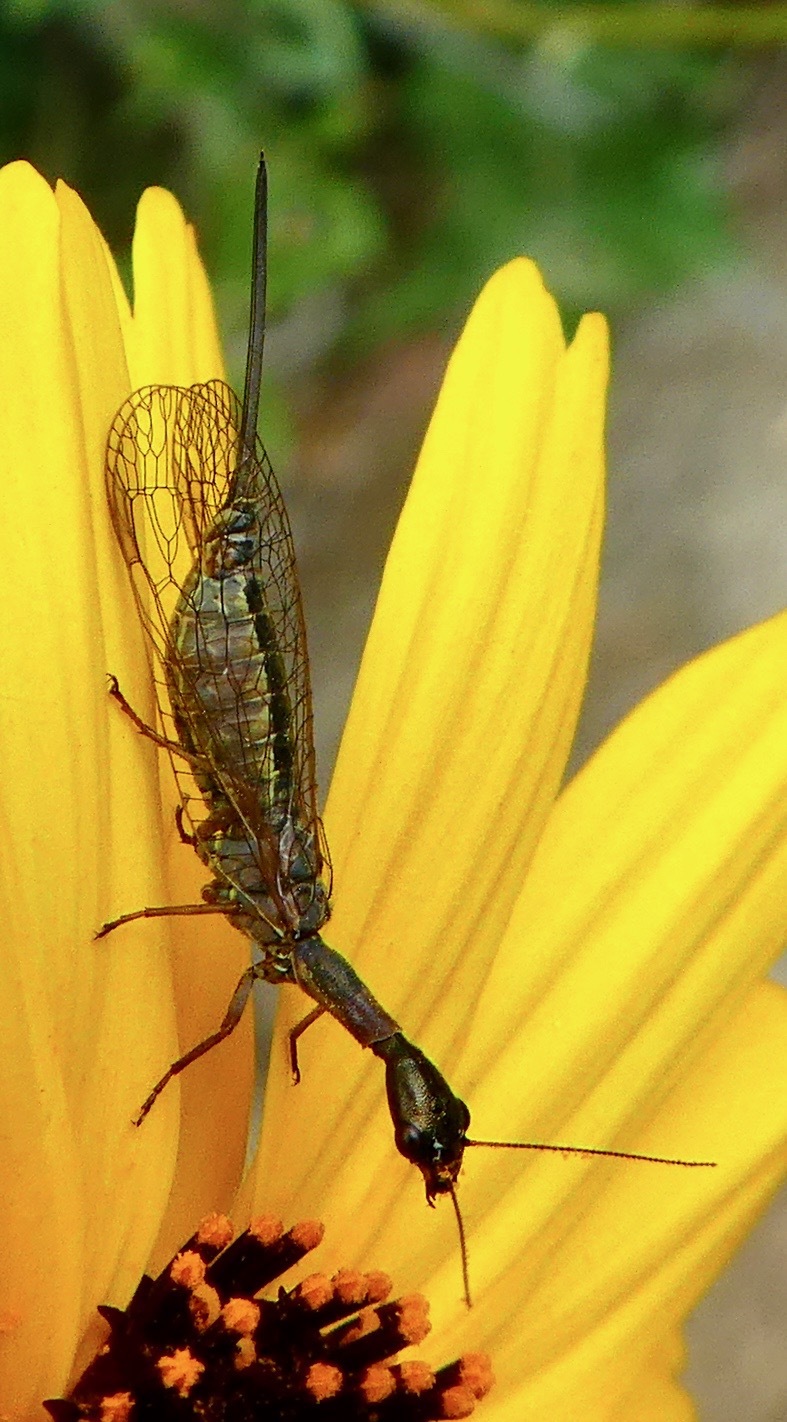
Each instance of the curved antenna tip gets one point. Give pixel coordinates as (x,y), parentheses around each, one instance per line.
(460,1224)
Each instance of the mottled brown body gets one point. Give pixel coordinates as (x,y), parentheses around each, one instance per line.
(202,526)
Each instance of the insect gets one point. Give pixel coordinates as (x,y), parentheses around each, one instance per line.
(204,532)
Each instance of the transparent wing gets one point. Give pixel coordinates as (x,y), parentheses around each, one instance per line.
(174,466)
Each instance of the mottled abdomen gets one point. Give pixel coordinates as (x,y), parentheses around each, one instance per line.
(219,680)
(230,705)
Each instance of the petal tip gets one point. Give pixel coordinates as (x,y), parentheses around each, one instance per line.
(159,205)
(19,180)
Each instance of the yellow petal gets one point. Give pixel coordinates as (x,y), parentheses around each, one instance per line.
(652,905)
(74,1052)
(654,898)
(654,1395)
(461,721)
(473,673)
(175,341)
(100,382)
(621,1260)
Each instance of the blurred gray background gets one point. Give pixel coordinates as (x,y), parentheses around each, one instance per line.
(638,152)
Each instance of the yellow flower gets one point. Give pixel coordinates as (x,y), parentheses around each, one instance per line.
(585,965)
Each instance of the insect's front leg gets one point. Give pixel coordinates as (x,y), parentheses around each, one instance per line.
(296,1032)
(231,1019)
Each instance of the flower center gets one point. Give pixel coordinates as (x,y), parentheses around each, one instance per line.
(198,1342)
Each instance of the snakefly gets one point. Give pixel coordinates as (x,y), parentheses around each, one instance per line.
(204,532)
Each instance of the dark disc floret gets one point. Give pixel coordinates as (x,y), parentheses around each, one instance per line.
(199,1343)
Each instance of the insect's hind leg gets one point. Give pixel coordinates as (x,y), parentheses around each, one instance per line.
(231,1019)
(144,729)
(296,1032)
(166,911)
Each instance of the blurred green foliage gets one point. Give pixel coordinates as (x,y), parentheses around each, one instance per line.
(409,154)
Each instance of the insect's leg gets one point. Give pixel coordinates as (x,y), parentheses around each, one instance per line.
(295,1033)
(183,834)
(144,729)
(231,1019)
(167,911)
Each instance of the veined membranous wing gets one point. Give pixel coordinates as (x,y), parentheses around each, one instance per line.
(205,533)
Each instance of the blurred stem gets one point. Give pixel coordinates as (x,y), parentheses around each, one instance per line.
(647,25)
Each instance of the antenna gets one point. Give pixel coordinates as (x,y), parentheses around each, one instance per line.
(460,1224)
(591,1150)
(259,279)
(450,1189)
(561,1150)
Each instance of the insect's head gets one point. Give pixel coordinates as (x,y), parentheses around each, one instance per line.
(231,541)
(430,1122)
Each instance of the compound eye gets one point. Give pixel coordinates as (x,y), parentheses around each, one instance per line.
(416,1146)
